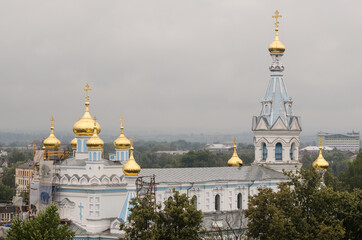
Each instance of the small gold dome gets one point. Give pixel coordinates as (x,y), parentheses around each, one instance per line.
(276,46)
(74,143)
(320,164)
(122,142)
(85,125)
(235,161)
(52,141)
(95,142)
(131,168)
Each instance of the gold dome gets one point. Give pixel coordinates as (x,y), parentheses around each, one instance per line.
(74,143)
(131,168)
(95,142)
(235,161)
(52,141)
(276,46)
(122,142)
(85,125)
(320,164)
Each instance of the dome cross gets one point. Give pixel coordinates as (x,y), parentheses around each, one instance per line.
(277,16)
(87,89)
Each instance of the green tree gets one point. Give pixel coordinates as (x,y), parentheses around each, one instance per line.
(45,226)
(6,192)
(353,176)
(179,219)
(303,209)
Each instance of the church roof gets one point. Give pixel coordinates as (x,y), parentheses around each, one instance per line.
(187,175)
(82,162)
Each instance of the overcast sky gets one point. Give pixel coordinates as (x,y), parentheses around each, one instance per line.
(177,66)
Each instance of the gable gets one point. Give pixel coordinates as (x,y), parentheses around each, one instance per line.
(279,125)
(295,125)
(262,125)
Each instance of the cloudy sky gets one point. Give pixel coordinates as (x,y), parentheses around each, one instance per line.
(177,66)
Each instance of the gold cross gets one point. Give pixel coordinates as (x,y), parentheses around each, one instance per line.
(320,142)
(52,120)
(276,16)
(122,119)
(131,139)
(87,89)
(234,140)
(95,121)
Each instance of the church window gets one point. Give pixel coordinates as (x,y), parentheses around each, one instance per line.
(266,111)
(122,155)
(97,206)
(291,151)
(278,151)
(94,156)
(118,156)
(265,152)
(99,155)
(79,145)
(217,202)
(240,199)
(90,156)
(91,206)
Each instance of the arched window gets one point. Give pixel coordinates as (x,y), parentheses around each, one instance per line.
(94,156)
(217,202)
(292,151)
(195,201)
(240,201)
(265,152)
(278,151)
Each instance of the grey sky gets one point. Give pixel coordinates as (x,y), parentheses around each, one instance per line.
(176,66)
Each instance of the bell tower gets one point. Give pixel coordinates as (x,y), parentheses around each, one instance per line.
(276,130)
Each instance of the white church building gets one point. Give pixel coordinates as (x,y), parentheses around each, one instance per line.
(93,193)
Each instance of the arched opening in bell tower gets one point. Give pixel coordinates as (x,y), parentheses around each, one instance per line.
(278,151)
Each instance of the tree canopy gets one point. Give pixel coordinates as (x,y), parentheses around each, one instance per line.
(178,219)
(353,175)
(305,209)
(45,226)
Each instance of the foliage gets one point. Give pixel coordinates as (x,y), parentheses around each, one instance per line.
(16,155)
(6,192)
(304,209)
(353,175)
(45,226)
(179,219)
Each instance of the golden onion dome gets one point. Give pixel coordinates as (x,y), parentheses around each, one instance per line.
(235,161)
(122,142)
(276,46)
(74,143)
(52,141)
(320,164)
(131,168)
(84,126)
(95,142)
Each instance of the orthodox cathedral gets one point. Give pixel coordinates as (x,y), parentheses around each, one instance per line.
(94,193)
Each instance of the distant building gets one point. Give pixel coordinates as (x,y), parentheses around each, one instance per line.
(7,212)
(179,152)
(316,149)
(344,142)
(23,173)
(219,147)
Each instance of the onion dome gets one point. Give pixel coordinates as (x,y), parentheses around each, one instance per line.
(122,142)
(95,142)
(52,141)
(276,46)
(74,143)
(85,125)
(131,168)
(320,164)
(235,161)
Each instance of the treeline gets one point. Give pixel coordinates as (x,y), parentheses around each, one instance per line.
(146,154)
(7,182)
